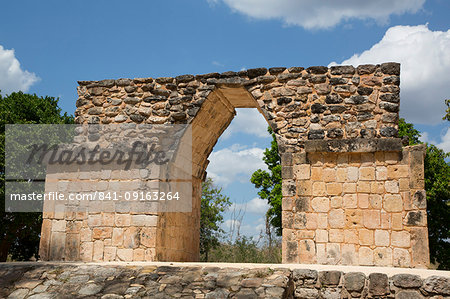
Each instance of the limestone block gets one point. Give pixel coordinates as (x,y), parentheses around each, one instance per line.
(148,237)
(58,225)
(419,247)
(382,238)
(109,253)
(311,220)
(350,201)
(307,251)
(86,251)
(108,219)
(336,218)
(367,173)
(336,235)
(57,246)
(352,174)
(334,188)
(363,200)
(321,253)
(372,218)
(397,221)
(304,188)
(321,236)
(392,187)
(320,204)
(333,253)
(117,237)
(336,202)
(122,220)
(381,173)
(102,233)
(393,203)
(341,175)
(139,254)
(305,234)
(351,236)
(319,189)
(375,201)
(365,256)
(287,204)
(94,220)
(353,218)
(302,172)
(401,239)
(401,258)
(363,186)
(377,188)
(125,254)
(329,175)
(144,220)
(365,237)
(349,188)
(349,256)
(382,256)
(322,220)
(98,251)
(397,171)
(298,218)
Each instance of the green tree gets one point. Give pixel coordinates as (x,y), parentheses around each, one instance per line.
(407,130)
(20,232)
(213,204)
(269,183)
(437,186)
(447,112)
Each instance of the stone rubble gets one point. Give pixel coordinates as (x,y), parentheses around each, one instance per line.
(207,281)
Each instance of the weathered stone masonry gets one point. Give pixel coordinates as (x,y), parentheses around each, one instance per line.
(147,280)
(351,194)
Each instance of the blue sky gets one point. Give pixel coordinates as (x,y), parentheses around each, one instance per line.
(46,46)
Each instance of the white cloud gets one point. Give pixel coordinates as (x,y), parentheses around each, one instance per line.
(424,137)
(425,62)
(216,63)
(322,14)
(256,206)
(12,77)
(445,141)
(230,224)
(235,164)
(249,121)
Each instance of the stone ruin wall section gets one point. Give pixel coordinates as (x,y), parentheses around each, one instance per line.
(351,194)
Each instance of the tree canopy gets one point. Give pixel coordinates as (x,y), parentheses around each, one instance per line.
(269,183)
(447,112)
(213,204)
(20,232)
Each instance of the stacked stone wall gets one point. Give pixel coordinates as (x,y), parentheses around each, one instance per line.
(148,280)
(356,209)
(300,104)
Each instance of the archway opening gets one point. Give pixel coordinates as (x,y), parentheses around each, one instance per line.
(229,138)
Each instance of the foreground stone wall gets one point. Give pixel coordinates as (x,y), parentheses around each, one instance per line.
(351,194)
(37,280)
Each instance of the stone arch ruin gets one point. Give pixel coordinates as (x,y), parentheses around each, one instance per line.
(352,195)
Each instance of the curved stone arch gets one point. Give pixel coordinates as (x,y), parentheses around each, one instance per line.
(341,121)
